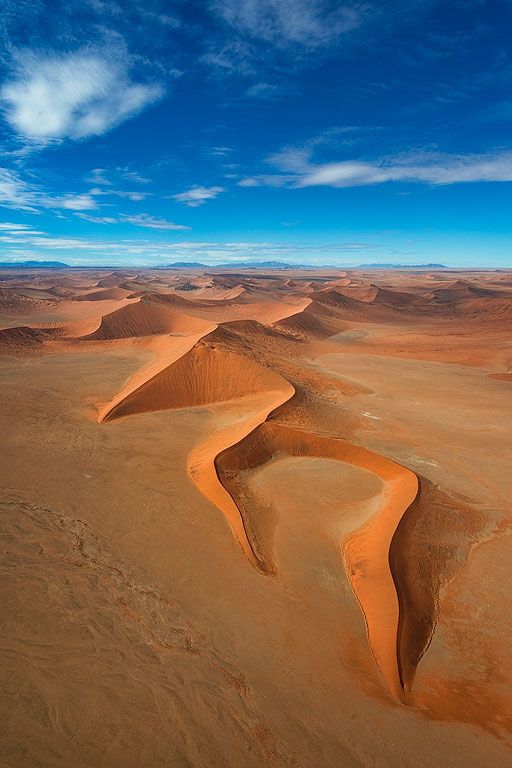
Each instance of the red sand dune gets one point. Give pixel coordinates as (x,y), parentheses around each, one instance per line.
(143,318)
(366,551)
(210,375)
(336,594)
(203,375)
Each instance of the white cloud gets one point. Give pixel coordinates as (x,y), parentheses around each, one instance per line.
(267,180)
(135,197)
(109,176)
(18,234)
(219,151)
(150,222)
(130,175)
(434,170)
(309,23)
(198,195)
(76,202)
(427,168)
(98,176)
(15,193)
(263,91)
(97,219)
(74,96)
(7,226)
(108,181)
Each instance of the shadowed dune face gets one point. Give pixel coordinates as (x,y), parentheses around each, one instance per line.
(105,293)
(144,318)
(366,551)
(204,375)
(313,465)
(419,568)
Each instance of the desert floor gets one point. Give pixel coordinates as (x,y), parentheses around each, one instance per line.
(255,519)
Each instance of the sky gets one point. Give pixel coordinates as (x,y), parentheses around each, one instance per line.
(304,131)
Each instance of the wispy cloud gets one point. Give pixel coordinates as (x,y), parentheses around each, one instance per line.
(427,168)
(263,91)
(98,177)
(109,181)
(97,219)
(109,177)
(137,220)
(198,195)
(8,226)
(307,23)
(73,96)
(150,222)
(135,197)
(16,193)
(75,202)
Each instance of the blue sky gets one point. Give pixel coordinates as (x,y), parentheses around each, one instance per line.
(300,130)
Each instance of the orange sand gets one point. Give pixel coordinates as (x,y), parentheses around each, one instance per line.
(265,521)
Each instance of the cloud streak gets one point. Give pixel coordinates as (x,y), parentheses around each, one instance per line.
(15,193)
(309,23)
(150,222)
(197,196)
(423,168)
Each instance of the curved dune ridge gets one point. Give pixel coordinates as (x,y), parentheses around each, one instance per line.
(194,365)
(381,587)
(143,318)
(207,374)
(314,322)
(365,552)
(102,294)
(203,375)
(20,338)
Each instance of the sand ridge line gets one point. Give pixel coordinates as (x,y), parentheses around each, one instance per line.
(167,352)
(366,551)
(187,371)
(207,374)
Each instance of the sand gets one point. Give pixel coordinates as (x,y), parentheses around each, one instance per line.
(262,521)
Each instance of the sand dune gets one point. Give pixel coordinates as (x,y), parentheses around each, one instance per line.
(353,308)
(312,322)
(15,304)
(208,375)
(104,293)
(366,551)
(460,289)
(20,339)
(293,493)
(143,318)
(203,375)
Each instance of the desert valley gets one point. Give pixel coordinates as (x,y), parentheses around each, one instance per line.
(256,518)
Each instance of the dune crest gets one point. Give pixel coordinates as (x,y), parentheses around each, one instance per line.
(143,318)
(365,552)
(208,374)
(311,466)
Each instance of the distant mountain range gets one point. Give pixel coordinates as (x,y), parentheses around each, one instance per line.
(228,265)
(402,266)
(236,265)
(33,264)
(185,265)
(285,265)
